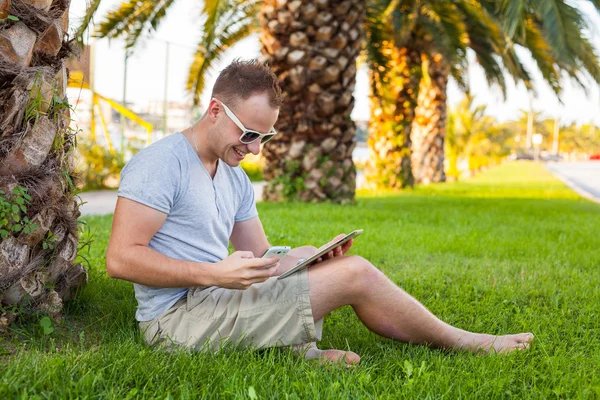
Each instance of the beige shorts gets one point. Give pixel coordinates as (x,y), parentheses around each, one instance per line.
(274,313)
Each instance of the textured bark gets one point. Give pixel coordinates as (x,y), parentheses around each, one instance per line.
(312,48)
(37,267)
(389,165)
(429,127)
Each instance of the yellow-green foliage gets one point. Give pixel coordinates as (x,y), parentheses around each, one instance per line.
(97,166)
(254,168)
(474,137)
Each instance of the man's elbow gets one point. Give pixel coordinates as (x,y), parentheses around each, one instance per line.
(113,265)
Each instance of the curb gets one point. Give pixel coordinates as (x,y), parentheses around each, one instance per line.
(572,185)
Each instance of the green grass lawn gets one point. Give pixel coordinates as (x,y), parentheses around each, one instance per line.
(512,250)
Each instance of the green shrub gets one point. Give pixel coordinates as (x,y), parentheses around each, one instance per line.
(98,167)
(254,170)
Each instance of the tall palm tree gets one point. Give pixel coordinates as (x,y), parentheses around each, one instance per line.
(473,137)
(553,31)
(38,205)
(312,47)
(528,121)
(436,35)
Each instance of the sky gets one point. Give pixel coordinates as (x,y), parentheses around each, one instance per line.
(147,67)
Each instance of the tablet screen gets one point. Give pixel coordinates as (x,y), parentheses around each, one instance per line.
(309,261)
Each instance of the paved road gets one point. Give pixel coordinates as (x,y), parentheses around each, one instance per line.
(583,177)
(103,201)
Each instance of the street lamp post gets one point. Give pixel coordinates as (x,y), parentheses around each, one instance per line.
(123,122)
(536,139)
(555,141)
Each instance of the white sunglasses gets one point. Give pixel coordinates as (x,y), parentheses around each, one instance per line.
(248,135)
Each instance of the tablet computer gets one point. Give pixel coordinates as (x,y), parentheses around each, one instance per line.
(310,261)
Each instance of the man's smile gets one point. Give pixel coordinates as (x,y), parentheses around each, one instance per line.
(239,153)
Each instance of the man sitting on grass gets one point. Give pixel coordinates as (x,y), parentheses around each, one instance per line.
(182,200)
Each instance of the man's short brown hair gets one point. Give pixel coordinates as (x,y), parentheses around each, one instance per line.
(242,79)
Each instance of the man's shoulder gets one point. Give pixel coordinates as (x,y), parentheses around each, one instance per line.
(172,142)
(169,147)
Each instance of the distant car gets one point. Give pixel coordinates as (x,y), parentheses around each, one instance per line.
(552,157)
(595,157)
(521,157)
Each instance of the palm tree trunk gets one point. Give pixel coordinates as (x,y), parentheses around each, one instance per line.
(392,114)
(429,127)
(451,149)
(38,225)
(312,48)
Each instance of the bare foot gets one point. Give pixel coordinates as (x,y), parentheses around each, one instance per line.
(311,352)
(338,356)
(496,344)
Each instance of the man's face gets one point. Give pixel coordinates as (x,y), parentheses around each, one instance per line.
(254,113)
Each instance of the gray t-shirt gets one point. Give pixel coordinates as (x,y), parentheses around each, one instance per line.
(169,177)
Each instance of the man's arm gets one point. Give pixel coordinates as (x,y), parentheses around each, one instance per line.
(129,257)
(250,235)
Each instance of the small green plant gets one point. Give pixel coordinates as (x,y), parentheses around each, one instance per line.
(59,103)
(34,106)
(13,210)
(49,241)
(46,324)
(8,18)
(291,179)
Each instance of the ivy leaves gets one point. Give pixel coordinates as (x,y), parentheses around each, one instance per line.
(13,212)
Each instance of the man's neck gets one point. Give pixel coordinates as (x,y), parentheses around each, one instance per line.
(196,135)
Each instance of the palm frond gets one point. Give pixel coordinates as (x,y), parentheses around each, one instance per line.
(90,11)
(516,68)
(446,26)
(484,34)
(561,24)
(505,49)
(122,19)
(379,41)
(542,53)
(459,71)
(513,12)
(133,18)
(227,22)
(563,27)
(491,64)
(589,58)
(403,20)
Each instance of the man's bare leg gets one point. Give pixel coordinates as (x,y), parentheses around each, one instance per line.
(310,350)
(389,311)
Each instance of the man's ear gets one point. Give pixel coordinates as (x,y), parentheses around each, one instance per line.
(214,108)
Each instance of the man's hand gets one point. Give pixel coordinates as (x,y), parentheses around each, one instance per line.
(241,270)
(338,251)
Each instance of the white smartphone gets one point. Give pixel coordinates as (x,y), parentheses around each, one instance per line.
(279,251)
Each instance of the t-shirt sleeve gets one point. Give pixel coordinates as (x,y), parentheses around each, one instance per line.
(152,177)
(247,208)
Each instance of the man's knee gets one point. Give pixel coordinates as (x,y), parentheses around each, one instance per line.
(360,271)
